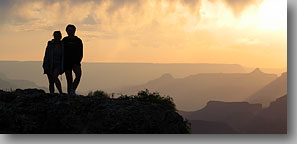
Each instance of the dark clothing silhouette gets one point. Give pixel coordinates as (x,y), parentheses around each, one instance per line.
(53,58)
(73,51)
(53,62)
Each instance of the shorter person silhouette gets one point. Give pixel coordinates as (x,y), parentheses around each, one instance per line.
(53,62)
(73,54)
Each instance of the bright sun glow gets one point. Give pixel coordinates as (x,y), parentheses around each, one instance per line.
(272,15)
(266,15)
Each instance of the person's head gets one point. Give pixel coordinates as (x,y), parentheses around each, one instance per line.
(70,29)
(57,35)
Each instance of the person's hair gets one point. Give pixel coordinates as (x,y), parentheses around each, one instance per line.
(69,26)
(57,32)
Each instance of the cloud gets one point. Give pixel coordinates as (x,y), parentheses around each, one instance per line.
(98,12)
(25,11)
(192,3)
(238,6)
(115,5)
(5,7)
(112,16)
(135,20)
(89,20)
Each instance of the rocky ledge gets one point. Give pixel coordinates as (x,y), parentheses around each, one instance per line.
(34,111)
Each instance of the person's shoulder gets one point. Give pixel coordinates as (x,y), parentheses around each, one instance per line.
(50,42)
(77,38)
(65,38)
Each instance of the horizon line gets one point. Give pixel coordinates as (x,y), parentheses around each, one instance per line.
(155,63)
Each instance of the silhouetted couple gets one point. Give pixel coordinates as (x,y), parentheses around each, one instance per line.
(63,56)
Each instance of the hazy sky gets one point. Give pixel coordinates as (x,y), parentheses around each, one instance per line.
(247,32)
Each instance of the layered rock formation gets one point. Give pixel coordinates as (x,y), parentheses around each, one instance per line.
(242,117)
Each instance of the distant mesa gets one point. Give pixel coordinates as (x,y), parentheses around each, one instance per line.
(163,79)
(194,91)
(243,117)
(12,84)
(111,77)
(166,76)
(230,106)
(222,111)
(284,74)
(270,92)
(257,71)
(272,119)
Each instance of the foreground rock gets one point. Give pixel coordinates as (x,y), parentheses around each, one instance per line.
(34,111)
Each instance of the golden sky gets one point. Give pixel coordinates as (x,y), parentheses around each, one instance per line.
(248,32)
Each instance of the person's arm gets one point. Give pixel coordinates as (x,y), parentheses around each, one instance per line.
(62,58)
(80,56)
(45,64)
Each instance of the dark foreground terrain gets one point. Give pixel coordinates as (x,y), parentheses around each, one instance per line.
(33,111)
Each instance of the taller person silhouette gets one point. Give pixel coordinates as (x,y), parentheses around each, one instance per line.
(73,54)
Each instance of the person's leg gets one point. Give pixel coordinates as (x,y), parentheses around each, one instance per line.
(77,71)
(51,83)
(69,79)
(57,81)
